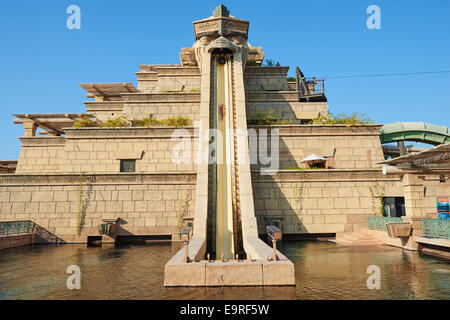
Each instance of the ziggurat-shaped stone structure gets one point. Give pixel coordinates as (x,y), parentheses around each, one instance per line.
(71,180)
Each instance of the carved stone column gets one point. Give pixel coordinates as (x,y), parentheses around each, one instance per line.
(203,58)
(30,127)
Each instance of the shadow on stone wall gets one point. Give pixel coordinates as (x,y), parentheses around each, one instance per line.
(43,236)
(271,202)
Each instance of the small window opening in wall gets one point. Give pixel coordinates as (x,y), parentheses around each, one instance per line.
(394,206)
(277,223)
(128,165)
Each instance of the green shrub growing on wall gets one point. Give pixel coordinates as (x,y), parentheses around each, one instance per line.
(85,122)
(149,121)
(117,122)
(122,122)
(178,121)
(342,118)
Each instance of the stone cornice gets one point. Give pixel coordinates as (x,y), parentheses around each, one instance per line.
(116,178)
(43,141)
(124,133)
(221,26)
(177,71)
(103,105)
(324,130)
(335,175)
(163,97)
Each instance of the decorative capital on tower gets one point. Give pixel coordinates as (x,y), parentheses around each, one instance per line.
(221,24)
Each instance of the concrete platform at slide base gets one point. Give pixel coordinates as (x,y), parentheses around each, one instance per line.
(230,273)
(203,273)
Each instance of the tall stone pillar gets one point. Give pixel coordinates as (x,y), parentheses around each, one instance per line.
(203,58)
(414,193)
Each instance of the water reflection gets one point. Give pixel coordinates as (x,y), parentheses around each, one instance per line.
(323,271)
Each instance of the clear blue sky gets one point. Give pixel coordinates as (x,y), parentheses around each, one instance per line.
(42,62)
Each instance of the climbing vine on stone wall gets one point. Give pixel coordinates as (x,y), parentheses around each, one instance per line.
(298,194)
(80,215)
(83,203)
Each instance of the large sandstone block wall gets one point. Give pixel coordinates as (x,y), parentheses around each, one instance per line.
(259,79)
(278,105)
(94,150)
(309,201)
(162,105)
(182,83)
(165,78)
(41,155)
(321,202)
(293,111)
(146,204)
(104,110)
(172,90)
(345,147)
(176,78)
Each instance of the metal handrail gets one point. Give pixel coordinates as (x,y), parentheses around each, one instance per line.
(436,228)
(16,227)
(9,228)
(379,223)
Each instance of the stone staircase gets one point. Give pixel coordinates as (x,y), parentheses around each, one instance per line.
(364,237)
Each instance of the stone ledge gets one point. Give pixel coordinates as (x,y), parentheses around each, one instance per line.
(179,70)
(130,132)
(324,130)
(322,175)
(103,106)
(433,241)
(134,155)
(162,97)
(43,141)
(116,178)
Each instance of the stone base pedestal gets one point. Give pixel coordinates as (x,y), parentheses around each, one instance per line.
(108,239)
